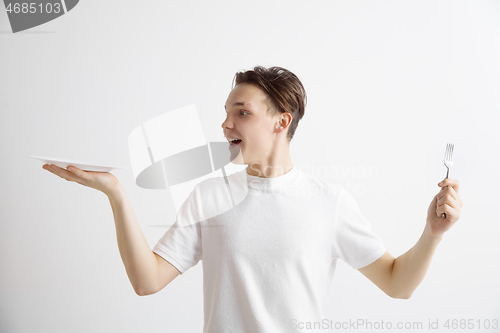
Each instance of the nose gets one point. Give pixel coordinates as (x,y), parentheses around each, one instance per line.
(227,122)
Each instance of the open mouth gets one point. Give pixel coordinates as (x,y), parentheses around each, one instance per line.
(235,142)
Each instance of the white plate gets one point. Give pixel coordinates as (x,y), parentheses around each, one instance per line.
(62,163)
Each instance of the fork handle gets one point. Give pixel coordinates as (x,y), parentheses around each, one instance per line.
(443,215)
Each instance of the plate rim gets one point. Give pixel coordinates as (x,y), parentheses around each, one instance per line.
(45,158)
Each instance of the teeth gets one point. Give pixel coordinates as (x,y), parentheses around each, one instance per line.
(233,140)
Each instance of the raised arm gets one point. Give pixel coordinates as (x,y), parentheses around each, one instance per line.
(399,277)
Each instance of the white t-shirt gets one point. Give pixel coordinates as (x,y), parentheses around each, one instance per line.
(268,262)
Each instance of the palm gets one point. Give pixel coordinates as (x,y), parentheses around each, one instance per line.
(102,181)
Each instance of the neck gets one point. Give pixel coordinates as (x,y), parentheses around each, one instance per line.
(277,162)
(270,167)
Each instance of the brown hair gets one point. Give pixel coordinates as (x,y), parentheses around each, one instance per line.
(283,88)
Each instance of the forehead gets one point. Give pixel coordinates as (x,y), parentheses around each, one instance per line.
(247,95)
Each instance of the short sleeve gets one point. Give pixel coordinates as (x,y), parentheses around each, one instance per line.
(181,244)
(354,242)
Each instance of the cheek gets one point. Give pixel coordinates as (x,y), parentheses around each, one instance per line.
(258,141)
(255,133)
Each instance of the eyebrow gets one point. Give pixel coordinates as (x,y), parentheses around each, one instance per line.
(240,104)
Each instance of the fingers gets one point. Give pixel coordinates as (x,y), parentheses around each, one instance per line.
(448,200)
(451,191)
(65,174)
(451,183)
(451,213)
(78,172)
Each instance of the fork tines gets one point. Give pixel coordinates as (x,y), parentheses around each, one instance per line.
(449,152)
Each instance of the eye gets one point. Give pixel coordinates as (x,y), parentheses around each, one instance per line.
(227,113)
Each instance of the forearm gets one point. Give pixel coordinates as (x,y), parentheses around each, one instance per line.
(140,262)
(409,269)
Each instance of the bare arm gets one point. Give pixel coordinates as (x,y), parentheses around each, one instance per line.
(148,273)
(400,277)
(410,268)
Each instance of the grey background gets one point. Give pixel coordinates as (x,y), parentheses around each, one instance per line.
(389,84)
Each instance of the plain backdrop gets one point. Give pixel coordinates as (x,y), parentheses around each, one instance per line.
(389,83)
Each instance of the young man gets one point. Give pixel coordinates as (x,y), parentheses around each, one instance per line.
(268,262)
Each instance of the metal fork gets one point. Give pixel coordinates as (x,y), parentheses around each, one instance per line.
(448,162)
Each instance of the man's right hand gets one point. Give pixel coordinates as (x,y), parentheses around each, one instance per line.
(148,272)
(102,181)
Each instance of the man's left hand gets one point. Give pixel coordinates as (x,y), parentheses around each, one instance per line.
(446,201)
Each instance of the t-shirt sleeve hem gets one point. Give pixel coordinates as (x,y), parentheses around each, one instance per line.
(369,260)
(168,257)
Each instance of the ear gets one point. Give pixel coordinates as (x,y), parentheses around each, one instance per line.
(284,121)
